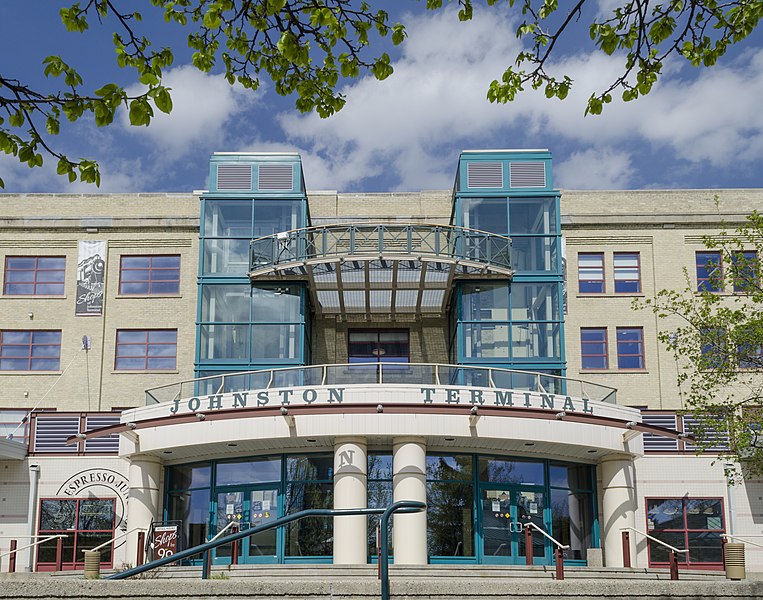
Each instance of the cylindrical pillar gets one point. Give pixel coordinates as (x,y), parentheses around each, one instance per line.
(618,506)
(350,491)
(143,498)
(34,479)
(409,467)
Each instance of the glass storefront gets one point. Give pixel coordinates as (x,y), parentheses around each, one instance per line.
(478,506)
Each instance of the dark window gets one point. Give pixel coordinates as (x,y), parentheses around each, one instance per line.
(369,345)
(30,350)
(34,275)
(745,271)
(627,273)
(695,524)
(149,275)
(593,348)
(591,273)
(714,348)
(630,348)
(709,272)
(146,349)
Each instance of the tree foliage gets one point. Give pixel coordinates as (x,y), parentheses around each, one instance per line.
(308,47)
(716,335)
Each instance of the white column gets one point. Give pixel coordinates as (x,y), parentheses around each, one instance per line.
(350,491)
(409,467)
(618,480)
(143,499)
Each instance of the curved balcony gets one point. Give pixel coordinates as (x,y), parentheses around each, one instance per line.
(382,268)
(386,374)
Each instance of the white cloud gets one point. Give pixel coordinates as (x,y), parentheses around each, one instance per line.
(410,126)
(595,169)
(203,105)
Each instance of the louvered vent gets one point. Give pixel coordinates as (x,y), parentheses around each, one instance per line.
(108,443)
(710,439)
(234,177)
(527,174)
(51,433)
(658,443)
(484,175)
(276,177)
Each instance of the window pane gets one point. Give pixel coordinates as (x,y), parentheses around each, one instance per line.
(630,348)
(228,218)
(450,527)
(532,215)
(311,536)
(709,272)
(535,302)
(96,514)
(56,515)
(252,471)
(665,514)
(534,253)
(591,273)
(593,348)
(309,467)
(535,340)
(449,467)
(189,476)
(627,273)
(43,275)
(574,477)
(511,471)
(485,302)
(705,547)
(745,271)
(704,513)
(486,214)
(146,349)
(659,553)
(275,342)
(276,305)
(228,256)
(486,341)
(226,303)
(220,342)
(571,520)
(273,216)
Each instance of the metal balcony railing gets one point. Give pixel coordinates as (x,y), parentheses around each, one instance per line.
(387,374)
(419,242)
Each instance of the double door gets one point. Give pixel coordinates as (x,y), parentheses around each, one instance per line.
(504,513)
(245,508)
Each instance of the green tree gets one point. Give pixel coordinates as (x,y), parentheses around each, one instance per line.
(308,47)
(715,331)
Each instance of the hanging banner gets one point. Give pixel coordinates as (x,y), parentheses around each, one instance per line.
(91,277)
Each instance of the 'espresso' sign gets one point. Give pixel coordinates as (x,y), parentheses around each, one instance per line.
(255,399)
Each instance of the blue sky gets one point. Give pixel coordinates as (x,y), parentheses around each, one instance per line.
(699,128)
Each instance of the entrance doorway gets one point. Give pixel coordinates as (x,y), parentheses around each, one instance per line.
(504,512)
(244,508)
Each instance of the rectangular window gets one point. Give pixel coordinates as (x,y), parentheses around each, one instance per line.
(593,348)
(695,524)
(627,273)
(14,425)
(30,350)
(34,275)
(709,272)
(630,348)
(146,349)
(149,275)
(745,271)
(591,273)
(369,345)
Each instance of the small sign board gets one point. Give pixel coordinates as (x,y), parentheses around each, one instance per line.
(165,540)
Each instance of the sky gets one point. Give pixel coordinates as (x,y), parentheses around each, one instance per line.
(698,128)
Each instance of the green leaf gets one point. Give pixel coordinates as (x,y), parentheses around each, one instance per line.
(163,100)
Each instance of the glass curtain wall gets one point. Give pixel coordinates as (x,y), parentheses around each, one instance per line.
(244,327)
(516,324)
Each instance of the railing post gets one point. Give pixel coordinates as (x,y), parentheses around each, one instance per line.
(59,554)
(673,565)
(206,565)
(559,553)
(626,549)
(12,558)
(528,546)
(234,552)
(141,548)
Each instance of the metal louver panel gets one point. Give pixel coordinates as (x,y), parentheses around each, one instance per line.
(108,443)
(484,175)
(527,174)
(710,439)
(657,443)
(51,433)
(275,177)
(234,177)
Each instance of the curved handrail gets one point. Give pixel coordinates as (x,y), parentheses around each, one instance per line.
(418,373)
(401,506)
(329,242)
(743,538)
(654,539)
(38,542)
(553,540)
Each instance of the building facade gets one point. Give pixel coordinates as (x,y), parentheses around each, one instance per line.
(213,361)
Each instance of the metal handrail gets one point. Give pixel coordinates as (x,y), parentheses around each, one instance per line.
(743,538)
(223,530)
(558,544)
(115,538)
(38,542)
(608,393)
(401,506)
(654,539)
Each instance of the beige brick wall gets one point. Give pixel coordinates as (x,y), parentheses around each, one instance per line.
(52,225)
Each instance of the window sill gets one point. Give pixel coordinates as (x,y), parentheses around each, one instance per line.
(611,295)
(612,371)
(144,372)
(31,296)
(30,373)
(141,296)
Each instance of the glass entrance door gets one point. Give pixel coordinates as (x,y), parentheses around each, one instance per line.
(503,515)
(243,509)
